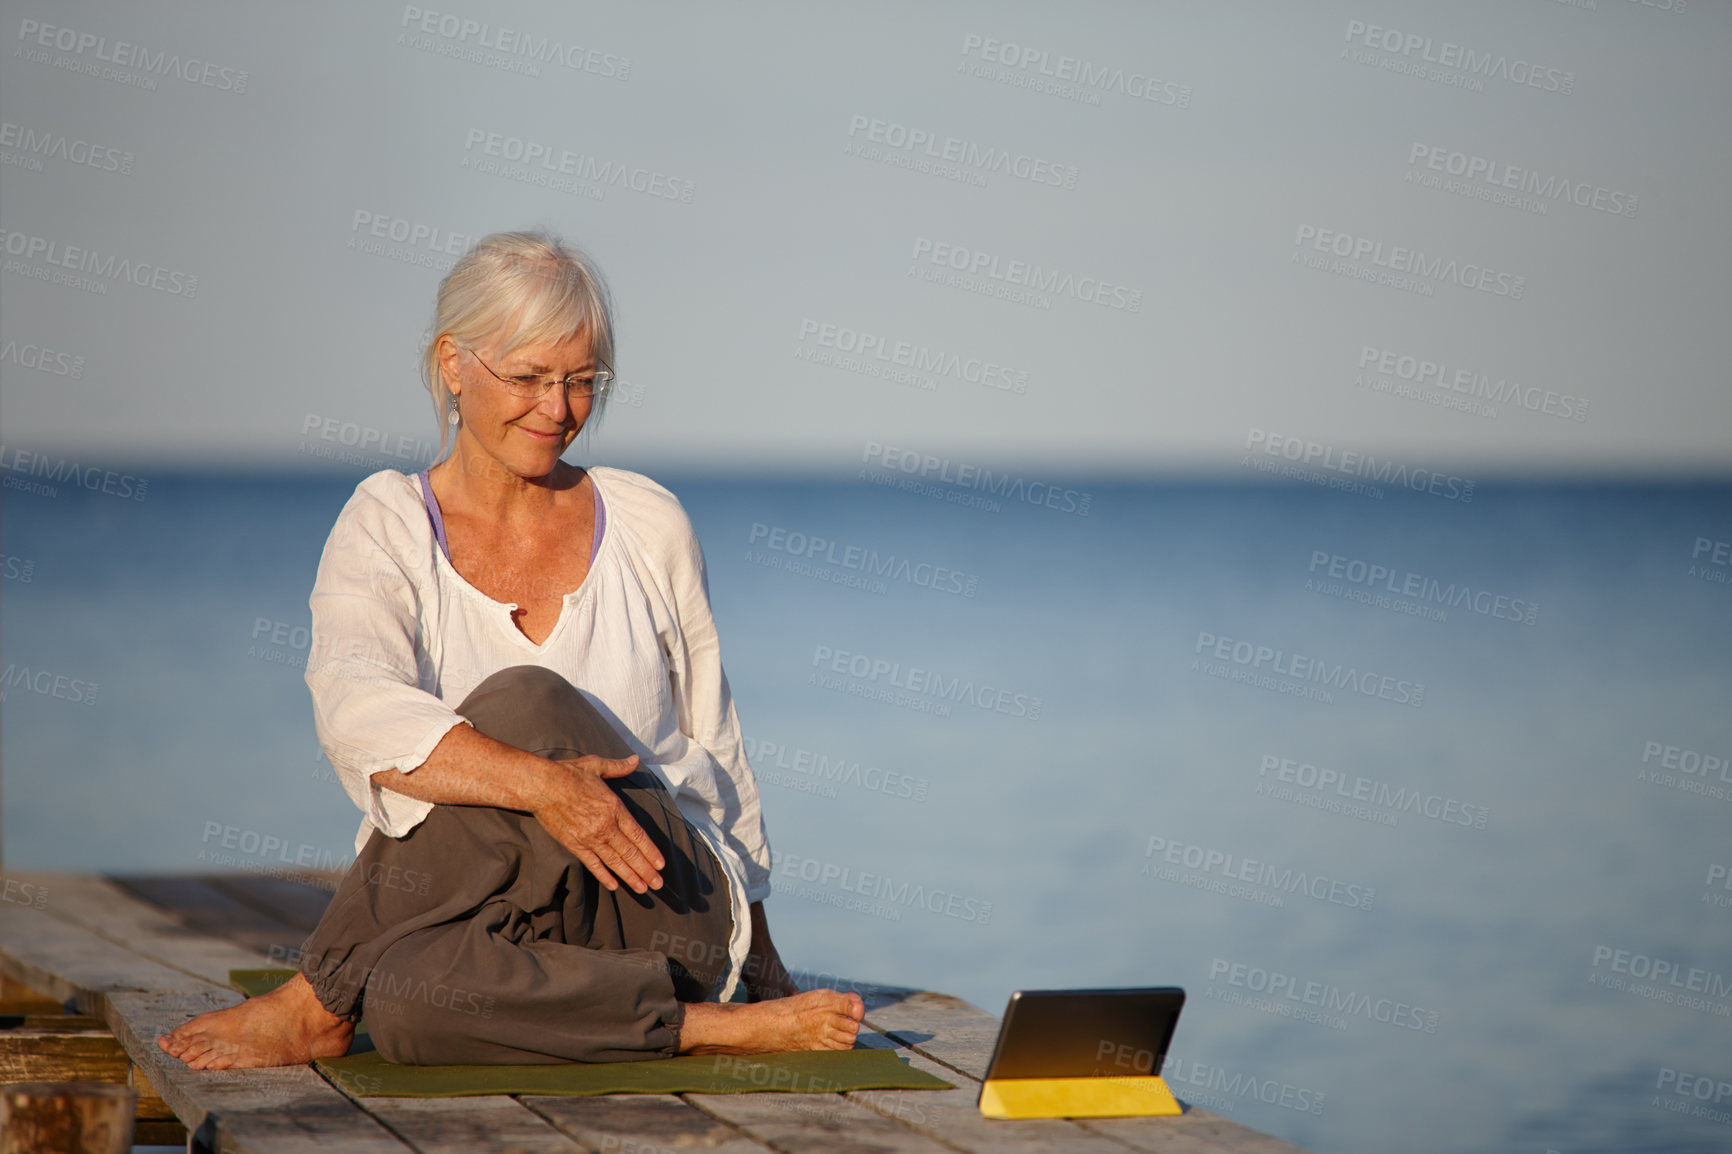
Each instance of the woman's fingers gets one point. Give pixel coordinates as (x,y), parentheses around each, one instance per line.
(624,859)
(610,766)
(594,866)
(641,846)
(595,826)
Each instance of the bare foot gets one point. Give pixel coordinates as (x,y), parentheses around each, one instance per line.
(815,1020)
(285,1027)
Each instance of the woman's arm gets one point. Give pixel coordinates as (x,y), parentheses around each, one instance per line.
(398,749)
(569,798)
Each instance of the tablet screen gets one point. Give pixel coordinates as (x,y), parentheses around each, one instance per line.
(1086,1033)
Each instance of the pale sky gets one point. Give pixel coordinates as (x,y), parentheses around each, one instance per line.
(1486,236)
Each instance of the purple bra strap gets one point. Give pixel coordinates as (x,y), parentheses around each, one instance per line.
(433,513)
(600,520)
(438,520)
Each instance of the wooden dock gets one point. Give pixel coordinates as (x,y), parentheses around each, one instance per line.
(132,957)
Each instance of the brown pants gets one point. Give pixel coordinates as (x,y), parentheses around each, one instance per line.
(477,938)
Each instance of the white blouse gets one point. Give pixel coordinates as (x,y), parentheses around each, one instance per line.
(399,638)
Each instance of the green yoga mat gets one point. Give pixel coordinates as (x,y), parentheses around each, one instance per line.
(800,1071)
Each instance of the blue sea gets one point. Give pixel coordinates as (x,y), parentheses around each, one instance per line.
(1424,800)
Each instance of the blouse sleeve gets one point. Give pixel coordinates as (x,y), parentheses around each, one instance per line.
(704,704)
(366,657)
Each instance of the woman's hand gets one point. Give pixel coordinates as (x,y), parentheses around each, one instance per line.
(584,815)
(571,799)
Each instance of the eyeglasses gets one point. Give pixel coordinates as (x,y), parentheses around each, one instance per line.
(578,387)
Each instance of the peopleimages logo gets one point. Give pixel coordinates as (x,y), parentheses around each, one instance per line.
(879,887)
(925,690)
(1288,995)
(1662,980)
(1231,867)
(548,164)
(63,472)
(43,359)
(35,35)
(1488,176)
(1374,577)
(108,267)
(990,269)
(1071,76)
(862,559)
(1006,486)
(1223,1088)
(1401,264)
(986,158)
(1359,797)
(915,357)
(1470,383)
(1312,455)
(1411,52)
(482,38)
(58,146)
(1265,660)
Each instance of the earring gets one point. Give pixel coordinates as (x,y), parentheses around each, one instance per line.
(451,417)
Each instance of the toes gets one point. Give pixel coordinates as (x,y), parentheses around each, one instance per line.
(219,1055)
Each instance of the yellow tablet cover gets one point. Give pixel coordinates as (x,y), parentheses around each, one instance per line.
(1102,1097)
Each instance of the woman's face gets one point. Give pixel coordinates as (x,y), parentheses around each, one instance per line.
(524,435)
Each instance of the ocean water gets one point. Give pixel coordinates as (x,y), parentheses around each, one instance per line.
(1425,801)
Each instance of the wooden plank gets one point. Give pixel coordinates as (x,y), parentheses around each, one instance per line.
(79,1049)
(106,909)
(961,1037)
(642,1124)
(152,1132)
(292,902)
(77,1117)
(282,1110)
(208,910)
(1211,1134)
(1171,1141)
(478,1125)
(815,1123)
(18,998)
(69,962)
(288,1110)
(147,929)
(950,1030)
(61,1022)
(150,1103)
(953,1117)
(75,1048)
(107,951)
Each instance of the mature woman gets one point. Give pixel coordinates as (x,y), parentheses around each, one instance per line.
(515,673)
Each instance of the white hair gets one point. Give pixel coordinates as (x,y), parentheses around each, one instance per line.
(513,289)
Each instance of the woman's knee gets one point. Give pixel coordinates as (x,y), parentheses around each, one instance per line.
(533,689)
(536,709)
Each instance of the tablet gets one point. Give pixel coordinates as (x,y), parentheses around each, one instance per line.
(1086,1033)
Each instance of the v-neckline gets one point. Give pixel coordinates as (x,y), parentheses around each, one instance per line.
(598,531)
